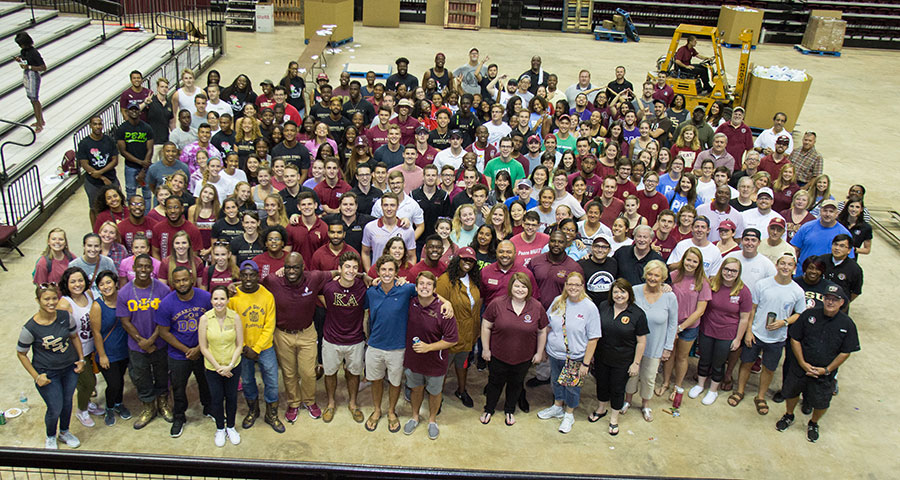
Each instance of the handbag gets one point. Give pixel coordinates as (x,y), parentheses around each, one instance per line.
(569,376)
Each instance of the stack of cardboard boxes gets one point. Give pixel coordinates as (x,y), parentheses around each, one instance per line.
(825,31)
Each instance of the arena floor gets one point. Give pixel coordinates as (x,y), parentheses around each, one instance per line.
(849,97)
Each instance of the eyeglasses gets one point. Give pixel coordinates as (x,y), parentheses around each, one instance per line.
(47,285)
(221,243)
(731,270)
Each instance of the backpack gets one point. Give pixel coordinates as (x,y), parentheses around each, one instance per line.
(69,165)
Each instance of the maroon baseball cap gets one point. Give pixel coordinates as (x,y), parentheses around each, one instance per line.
(727,224)
(778,221)
(467,253)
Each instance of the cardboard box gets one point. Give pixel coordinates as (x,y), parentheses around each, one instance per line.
(824,34)
(608,24)
(265,17)
(733,20)
(826,13)
(764,98)
(382,13)
(328,12)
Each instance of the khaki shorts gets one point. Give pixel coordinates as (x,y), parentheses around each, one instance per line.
(384,363)
(351,355)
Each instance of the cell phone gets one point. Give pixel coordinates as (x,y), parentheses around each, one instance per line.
(770,318)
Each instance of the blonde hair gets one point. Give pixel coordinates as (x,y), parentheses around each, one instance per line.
(194,211)
(48,252)
(282,213)
(456,224)
(695,143)
(798,194)
(206,172)
(779,184)
(559,304)
(699,273)
(716,282)
(231,267)
(110,223)
(254,132)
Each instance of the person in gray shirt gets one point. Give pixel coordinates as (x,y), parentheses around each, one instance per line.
(184,134)
(168,164)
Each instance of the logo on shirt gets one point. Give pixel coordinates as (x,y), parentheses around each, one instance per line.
(811,320)
(345,300)
(527,318)
(735,298)
(841,276)
(654,206)
(143,304)
(493,281)
(54,344)
(561,274)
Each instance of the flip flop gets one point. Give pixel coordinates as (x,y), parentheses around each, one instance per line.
(613,429)
(509,417)
(393,427)
(485,418)
(357,414)
(595,417)
(369,422)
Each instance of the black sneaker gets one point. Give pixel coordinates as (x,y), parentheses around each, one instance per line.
(177,428)
(465,399)
(481,364)
(536,382)
(207,412)
(523,403)
(806,408)
(812,432)
(778,397)
(786,421)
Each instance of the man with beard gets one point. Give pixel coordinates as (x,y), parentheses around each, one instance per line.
(600,270)
(136,222)
(178,316)
(326,257)
(164,232)
(431,259)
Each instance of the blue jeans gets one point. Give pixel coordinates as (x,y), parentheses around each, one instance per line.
(268,365)
(131,184)
(570,396)
(58,397)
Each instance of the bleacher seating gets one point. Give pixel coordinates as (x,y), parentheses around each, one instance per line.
(85,76)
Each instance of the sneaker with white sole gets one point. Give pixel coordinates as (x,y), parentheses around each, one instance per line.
(233,435)
(553,411)
(565,426)
(96,410)
(84,417)
(71,440)
(710,397)
(50,443)
(433,431)
(220,438)
(695,391)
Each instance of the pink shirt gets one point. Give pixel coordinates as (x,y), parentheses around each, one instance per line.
(526,251)
(688,297)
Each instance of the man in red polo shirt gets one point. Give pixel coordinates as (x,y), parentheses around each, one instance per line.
(740,138)
(550,269)
(425,153)
(652,202)
(310,232)
(326,257)
(135,222)
(495,277)
(164,232)
(612,206)
(683,58)
(331,190)
(662,90)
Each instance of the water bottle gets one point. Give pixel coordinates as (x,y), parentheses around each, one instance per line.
(679,394)
(23,401)
(416,340)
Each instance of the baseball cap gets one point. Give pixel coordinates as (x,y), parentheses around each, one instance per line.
(402,60)
(249,264)
(134,106)
(405,103)
(739,109)
(783,140)
(831,291)
(467,253)
(563,117)
(456,133)
(602,238)
(525,182)
(699,107)
(512,81)
(727,224)
(422,129)
(752,232)
(360,141)
(322,76)
(778,221)
(767,191)
(534,139)
(828,203)
(266,82)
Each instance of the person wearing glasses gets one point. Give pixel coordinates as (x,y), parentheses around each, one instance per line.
(51,335)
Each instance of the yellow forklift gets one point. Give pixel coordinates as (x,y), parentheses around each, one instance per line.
(689,86)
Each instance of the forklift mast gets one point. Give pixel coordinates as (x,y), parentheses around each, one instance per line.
(743,67)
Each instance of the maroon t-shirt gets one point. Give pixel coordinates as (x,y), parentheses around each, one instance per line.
(295,305)
(130,97)
(128,229)
(331,196)
(163,234)
(268,264)
(344,311)
(767,164)
(722,316)
(429,326)
(307,240)
(651,206)
(407,129)
(684,54)
(612,212)
(514,337)
(377,137)
(421,267)
(594,184)
(214,278)
(324,259)
(551,277)
(199,270)
(666,246)
(623,190)
(426,157)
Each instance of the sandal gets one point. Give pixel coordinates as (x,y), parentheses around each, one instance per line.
(357,414)
(647,414)
(613,429)
(624,409)
(486,418)
(762,407)
(370,426)
(727,385)
(662,389)
(393,424)
(328,415)
(672,395)
(735,398)
(510,420)
(595,417)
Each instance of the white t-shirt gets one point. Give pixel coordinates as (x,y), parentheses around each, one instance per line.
(783,300)
(239,176)
(753,219)
(224,187)
(603,231)
(767,137)
(754,270)
(446,157)
(221,108)
(496,132)
(614,245)
(706,190)
(712,259)
(408,209)
(569,200)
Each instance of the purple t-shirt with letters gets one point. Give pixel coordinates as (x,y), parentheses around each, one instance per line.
(182,318)
(140,306)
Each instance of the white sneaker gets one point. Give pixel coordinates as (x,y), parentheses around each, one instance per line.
(233,435)
(695,391)
(84,417)
(71,440)
(566,425)
(220,438)
(553,411)
(710,397)
(96,410)
(50,443)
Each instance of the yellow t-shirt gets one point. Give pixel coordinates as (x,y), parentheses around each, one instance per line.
(221,340)
(257,312)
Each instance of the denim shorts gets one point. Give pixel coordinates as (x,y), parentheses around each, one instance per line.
(689,334)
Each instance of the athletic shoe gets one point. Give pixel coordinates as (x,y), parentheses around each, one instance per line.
(786,421)
(695,391)
(71,440)
(95,409)
(410,427)
(177,428)
(233,435)
(50,443)
(566,425)
(110,418)
(314,411)
(220,438)
(553,411)
(123,412)
(84,417)
(536,382)
(291,414)
(812,432)
(710,397)
(433,431)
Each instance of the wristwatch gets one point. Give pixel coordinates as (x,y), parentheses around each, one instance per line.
(588,365)
(827,371)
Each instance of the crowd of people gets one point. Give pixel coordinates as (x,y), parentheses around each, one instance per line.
(396,229)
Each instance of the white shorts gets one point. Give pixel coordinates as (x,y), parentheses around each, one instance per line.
(350,355)
(384,363)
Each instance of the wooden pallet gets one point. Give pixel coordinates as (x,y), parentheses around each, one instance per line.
(288,12)
(464,14)
(601,33)
(806,51)
(360,70)
(578,16)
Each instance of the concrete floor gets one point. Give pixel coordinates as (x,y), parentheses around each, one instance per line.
(716,441)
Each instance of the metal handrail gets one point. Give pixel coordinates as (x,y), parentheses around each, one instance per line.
(186,33)
(22,196)
(3,175)
(103,18)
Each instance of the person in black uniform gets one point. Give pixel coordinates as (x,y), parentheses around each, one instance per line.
(843,270)
(822,340)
